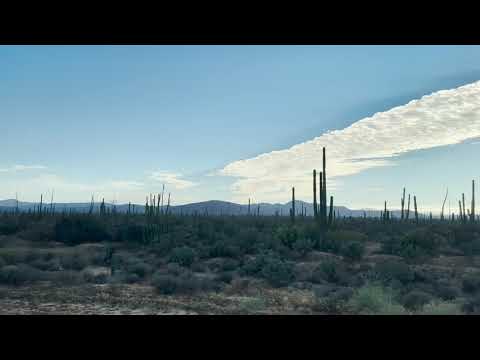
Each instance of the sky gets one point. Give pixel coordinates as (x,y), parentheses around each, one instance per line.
(238,122)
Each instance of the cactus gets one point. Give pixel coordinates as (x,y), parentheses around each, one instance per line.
(464,217)
(460,217)
(472,211)
(330,214)
(292,210)
(415,206)
(249,206)
(407,215)
(403,203)
(90,211)
(315,208)
(324,163)
(443,205)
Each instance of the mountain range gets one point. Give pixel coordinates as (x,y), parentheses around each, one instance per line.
(212,207)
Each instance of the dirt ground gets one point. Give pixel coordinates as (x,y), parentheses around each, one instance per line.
(46,299)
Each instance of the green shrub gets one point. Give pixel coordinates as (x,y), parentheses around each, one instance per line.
(19,275)
(184,284)
(75,261)
(441,308)
(390,271)
(229,265)
(344,236)
(165,284)
(9,228)
(303,245)
(225,277)
(353,250)
(130,233)
(223,249)
(278,273)
(416,299)
(330,271)
(471,283)
(139,268)
(77,230)
(472,305)
(287,235)
(421,242)
(446,292)
(372,299)
(184,256)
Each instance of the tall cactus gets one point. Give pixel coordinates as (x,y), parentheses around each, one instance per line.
(416,211)
(443,205)
(320,196)
(407,215)
(292,210)
(460,216)
(403,204)
(464,216)
(324,163)
(330,214)
(472,211)
(315,208)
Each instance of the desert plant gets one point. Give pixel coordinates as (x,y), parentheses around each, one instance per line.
(184,256)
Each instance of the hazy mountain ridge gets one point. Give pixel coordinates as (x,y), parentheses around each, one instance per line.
(212,207)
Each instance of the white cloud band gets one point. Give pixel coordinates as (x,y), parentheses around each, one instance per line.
(443,118)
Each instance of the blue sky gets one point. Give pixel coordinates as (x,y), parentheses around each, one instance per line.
(119,121)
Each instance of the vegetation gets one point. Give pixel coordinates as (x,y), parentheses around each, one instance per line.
(381,265)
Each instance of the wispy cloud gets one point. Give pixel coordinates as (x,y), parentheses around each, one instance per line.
(443,118)
(172,179)
(17,168)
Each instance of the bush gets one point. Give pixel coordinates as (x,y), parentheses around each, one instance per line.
(130,233)
(75,261)
(421,242)
(222,249)
(278,273)
(184,284)
(472,305)
(446,292)
(165,284)
(229,265)
(287,235)
(416,299)
(441,308)
(374,300)
(184,256)
(303,245)
(254,266)
(77,230)
(225,277)
(139,268)
(389,271)
(344,236)
(19,275)
(353,251)
(8,228)
(329,271)
(471,283)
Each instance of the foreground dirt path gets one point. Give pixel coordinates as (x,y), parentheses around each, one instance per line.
(143,300)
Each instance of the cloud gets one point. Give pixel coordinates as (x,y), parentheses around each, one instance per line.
(445,117)
(17,168)
(171,179)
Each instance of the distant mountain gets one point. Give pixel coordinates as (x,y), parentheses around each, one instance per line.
(212,207)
